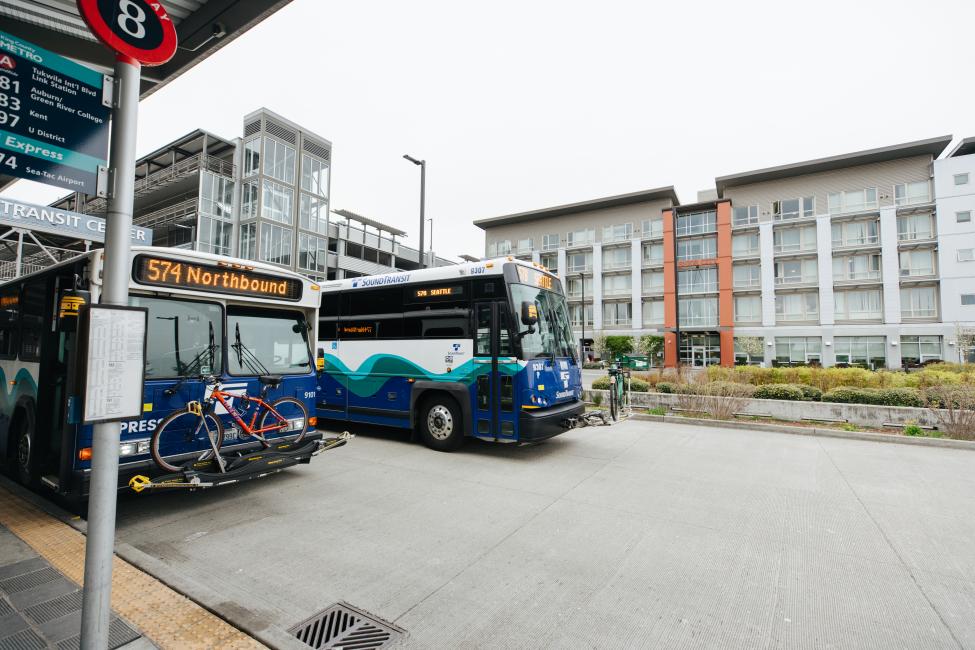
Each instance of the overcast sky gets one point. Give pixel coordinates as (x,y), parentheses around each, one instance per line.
(523,105)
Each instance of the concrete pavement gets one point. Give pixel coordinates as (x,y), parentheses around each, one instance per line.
(634,535)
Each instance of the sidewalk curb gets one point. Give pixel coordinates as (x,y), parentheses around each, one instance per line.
(203,596)
(889,438)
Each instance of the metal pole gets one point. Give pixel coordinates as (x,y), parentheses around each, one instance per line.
(582,281)
(423,186)
(673,225)
(20,252)
(431,235)
(100,544)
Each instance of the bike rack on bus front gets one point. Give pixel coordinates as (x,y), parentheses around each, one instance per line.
(256,464)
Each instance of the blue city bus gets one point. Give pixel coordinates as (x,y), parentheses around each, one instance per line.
(235,320)
(481,349)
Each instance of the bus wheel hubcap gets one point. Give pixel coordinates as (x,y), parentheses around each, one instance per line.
(440,422)
(23,451)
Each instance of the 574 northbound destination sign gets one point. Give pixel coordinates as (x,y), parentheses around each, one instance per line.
(53,122)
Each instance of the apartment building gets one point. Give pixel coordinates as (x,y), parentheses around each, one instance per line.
(264,196)
(862,258)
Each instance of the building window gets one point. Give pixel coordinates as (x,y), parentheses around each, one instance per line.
(550,261)
(312,213)
(698,312)
(744,215)
(794,240)
(699,248)
(919,302)
(653,227)
(749,350)
(579,262)
(615,259)
(248,201)
(276,202)
(279,161)
(746,276)
(697,223)
(312,253)
(865,351)
(966,254)
(619,232)
(793,208)
(500,247)
(796,272)
(550,242)
(912,193)
(524,246)
(214,236)
(748,309)
(616,314)
(314,176)
(576,312)
(964,216)
(798,350)
(697,280)
(918,262)
(252,157)
(866,304)
(617,285)
(216,196)
(856,267)
(580,238)
(797,306)
(276,244)
(855,233)
(745,245)
(653,282)
(912,227)
(653,312)
(968,298)
(961,179)
(248,241)
(653,254)
(576,290)
(918,350)
(855,201)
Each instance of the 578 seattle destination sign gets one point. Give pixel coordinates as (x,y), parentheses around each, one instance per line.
(53,124)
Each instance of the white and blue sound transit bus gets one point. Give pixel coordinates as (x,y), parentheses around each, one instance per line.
(237,321)
(481,349)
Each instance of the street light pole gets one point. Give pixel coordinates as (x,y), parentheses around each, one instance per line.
(423,186)
(430,221)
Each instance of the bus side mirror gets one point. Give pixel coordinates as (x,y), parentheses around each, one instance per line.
(529,313)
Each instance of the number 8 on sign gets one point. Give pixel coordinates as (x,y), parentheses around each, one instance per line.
(137,29)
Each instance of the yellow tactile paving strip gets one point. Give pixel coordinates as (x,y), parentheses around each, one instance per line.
(165,617)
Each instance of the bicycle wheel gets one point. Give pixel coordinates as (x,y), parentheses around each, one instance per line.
(613,401)
(293,419)
(182,432)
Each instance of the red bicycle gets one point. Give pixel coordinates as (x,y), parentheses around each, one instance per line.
(195,433)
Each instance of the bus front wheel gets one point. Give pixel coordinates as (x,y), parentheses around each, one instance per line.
(441,424)
(25,450)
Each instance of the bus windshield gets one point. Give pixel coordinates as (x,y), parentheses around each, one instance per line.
(551,335)
(183,339)
(261,342)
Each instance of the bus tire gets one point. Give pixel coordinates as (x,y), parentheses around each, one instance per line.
(25,449)
(440,423)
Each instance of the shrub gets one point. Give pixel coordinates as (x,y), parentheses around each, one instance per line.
(912,429)
(852,396)
(779,391)
(600,383)
(593,365)
(663,387)
(901,397)
(597,399)
(657,410)
(810,393)
(849,426)
(953,406)
(638,385)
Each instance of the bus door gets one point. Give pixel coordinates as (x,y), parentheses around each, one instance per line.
(495,409)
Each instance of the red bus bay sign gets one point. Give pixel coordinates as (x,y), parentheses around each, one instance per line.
(136,29)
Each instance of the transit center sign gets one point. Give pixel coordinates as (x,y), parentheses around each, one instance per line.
(53,117)
(65,223)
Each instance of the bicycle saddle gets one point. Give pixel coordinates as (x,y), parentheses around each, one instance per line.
(270,380)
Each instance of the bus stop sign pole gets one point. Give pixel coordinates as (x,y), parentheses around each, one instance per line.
(139,33)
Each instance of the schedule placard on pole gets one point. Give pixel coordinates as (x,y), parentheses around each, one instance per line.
(115,340)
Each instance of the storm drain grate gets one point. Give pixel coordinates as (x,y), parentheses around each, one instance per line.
(5,608)
(119,633)
(56,608)
(29,580)
(23,640)
(343,626)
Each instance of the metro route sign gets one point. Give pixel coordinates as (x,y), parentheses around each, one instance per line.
(136,29)
(53,117)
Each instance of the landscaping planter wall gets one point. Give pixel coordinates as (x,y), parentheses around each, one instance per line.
(860,414)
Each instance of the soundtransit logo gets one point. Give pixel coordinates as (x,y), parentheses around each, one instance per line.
(380,280)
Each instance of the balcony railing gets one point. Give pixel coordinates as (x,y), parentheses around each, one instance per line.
(915,236)
(859,315)
(698,287)
(653,291)
(619,322)
(931,312)
(652,261)
(918,272)
(580,268)
(609,293)
(857,276)
(706,320)
(794,248)
(581,241)
(809,278)
(853,242)
(797,316)
(747,283)
(616,265)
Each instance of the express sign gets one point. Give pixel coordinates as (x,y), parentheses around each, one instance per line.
(137,29)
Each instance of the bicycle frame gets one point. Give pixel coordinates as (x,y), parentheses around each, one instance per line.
(263,407)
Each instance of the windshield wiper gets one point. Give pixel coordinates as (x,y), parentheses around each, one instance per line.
(246,356)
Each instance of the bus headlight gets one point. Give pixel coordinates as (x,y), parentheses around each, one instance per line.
(133,448)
